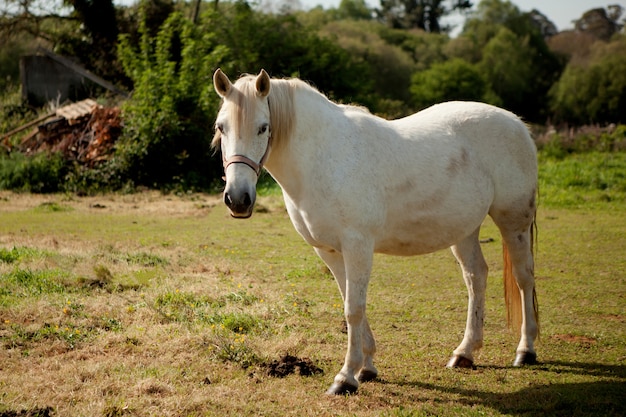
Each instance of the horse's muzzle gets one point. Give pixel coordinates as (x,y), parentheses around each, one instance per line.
(240,204)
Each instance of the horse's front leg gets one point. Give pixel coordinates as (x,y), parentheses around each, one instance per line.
(352,270)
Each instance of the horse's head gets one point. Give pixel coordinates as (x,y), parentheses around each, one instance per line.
(243,130)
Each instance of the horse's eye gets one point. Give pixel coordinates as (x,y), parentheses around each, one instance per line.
(263,128)
(220,127)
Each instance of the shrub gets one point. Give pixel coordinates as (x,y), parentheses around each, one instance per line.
(559,144)
(41,173)
(455,79)
(594,92)
(168,125)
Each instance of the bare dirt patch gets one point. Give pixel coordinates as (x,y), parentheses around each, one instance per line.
(289,364)
(571,338)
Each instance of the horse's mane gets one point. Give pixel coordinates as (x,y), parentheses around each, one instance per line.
(281,103)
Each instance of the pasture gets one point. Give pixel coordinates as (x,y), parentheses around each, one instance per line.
(150,304)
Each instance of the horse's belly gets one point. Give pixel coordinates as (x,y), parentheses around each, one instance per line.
(418,238)
(412,230)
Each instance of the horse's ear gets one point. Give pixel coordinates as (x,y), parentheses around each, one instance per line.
(263,83)
(221,83)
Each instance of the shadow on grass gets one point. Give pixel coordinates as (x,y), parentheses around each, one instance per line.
(605,397)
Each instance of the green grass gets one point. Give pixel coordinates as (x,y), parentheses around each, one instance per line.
(164,305)
(583,180)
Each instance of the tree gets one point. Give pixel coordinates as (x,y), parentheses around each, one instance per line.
(86,30)
(510,48)
(455,79)
(600,23)
(485,22)
(94,43)
(419,14)
(577,46)
(546,27)
(34,17)
(354,9)
(507,65)
(284,47)
(593,91)
(388,65)
(168,120)
(98,19)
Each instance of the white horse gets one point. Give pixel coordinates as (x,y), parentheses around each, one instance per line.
(355,184)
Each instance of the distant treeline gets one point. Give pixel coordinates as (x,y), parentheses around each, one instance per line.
(166,52)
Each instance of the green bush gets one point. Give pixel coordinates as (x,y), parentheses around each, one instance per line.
(455,79)
(594,92)
(41,173)
(168,120)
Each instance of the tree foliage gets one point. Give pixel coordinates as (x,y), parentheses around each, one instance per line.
(510,48)
(168,120)
(594,92)
(419,14)
(503,56)
(354,10)
(601,23)
(454,79)
(284,47)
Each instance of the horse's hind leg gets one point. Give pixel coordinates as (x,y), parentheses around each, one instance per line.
(474,267)
(517,236)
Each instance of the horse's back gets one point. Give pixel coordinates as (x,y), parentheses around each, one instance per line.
(469,120)
(497,137)
(454,163)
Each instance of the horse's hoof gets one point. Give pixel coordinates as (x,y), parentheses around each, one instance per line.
(366,376)
(525,358)
(458,361)
(341,388)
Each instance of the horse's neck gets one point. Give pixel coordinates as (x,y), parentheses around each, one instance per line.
(290,163)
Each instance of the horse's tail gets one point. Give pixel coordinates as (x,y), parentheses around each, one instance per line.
(512,296)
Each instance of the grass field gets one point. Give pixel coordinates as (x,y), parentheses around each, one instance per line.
(144,304)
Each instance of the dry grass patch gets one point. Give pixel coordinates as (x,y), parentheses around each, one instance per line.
(162,305)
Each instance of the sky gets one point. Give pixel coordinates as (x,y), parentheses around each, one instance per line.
(563,12)
(560,12)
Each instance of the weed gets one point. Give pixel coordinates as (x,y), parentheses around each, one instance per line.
(19,253)
(227,347)
(9,256)
(73,309)
(241,297)
(24,338)
(109,324)
(183,307)
(24,282)
(240,323)
(52,207)
(103,274)
(146,259)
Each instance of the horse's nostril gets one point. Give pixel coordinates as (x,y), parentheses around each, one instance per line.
(227,200)
(247,201)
